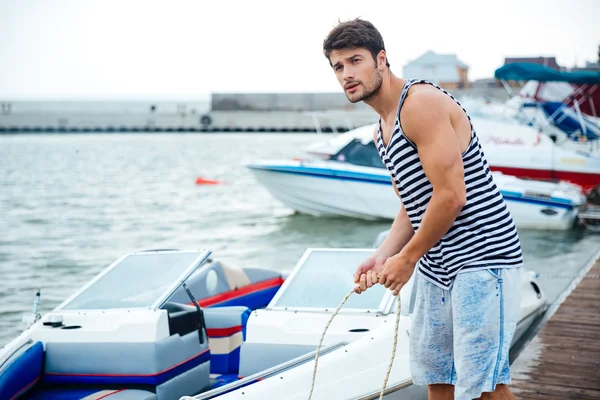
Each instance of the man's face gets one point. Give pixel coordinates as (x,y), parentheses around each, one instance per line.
(357,73)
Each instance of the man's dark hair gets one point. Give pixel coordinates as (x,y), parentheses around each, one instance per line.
(354,34)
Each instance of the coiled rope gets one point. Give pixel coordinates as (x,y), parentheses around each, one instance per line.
(387,375)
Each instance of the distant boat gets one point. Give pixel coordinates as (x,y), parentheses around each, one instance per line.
(334,188)
(563,105)
(510,147)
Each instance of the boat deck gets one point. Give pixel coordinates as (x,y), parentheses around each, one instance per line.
(563,360)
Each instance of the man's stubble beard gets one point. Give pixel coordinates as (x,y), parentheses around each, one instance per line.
(371,92)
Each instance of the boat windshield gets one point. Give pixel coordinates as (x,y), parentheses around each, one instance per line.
(321,280)
(359,153)
(138,280)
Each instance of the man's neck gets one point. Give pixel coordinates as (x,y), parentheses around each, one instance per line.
(385,103)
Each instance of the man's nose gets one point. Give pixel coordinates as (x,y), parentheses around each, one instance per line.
(348,74)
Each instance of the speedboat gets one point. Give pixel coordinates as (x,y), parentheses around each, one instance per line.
(171,324)
(551,125)
(354,183)
(510,147)
(562,104)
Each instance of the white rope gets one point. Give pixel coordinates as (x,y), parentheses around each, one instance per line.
(387,375)
(314,375)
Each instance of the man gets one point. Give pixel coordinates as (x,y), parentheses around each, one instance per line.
(453,224)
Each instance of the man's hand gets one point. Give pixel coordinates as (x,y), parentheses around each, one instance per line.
(397,270)
(367,273)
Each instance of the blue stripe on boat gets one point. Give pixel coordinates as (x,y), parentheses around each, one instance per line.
(225,363)
(22,373)
(327,173)
(385,180)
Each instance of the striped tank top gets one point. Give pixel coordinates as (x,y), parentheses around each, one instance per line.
(483,235)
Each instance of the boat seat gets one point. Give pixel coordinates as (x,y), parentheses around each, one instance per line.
(21,380)
(220,285)
(171,367)
(226,328)
(21,374)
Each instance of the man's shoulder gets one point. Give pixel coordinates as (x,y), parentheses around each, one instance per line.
(424,95)
(423,108)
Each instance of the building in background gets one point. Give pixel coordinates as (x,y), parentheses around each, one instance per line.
(588,67)
(445,70)
(549,62)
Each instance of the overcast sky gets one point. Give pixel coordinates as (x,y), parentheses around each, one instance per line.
(129,49)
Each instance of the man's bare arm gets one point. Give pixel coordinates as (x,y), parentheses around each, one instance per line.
(427,124)
(400,233)
(401,230)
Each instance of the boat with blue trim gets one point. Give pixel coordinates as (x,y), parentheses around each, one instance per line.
(354,183)
(168,324)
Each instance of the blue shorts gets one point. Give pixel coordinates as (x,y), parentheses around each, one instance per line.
(462,336)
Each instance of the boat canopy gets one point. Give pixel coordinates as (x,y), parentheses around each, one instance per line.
(524,71)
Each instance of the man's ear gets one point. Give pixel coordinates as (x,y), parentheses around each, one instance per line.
(381,60)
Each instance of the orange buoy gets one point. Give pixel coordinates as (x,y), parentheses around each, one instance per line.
(203,181)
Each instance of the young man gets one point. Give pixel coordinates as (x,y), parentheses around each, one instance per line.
(453,224)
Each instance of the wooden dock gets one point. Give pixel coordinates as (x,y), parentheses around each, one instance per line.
(563,360)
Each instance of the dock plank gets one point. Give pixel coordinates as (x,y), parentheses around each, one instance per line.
(563,359)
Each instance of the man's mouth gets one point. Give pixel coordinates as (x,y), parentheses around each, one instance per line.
(351,86)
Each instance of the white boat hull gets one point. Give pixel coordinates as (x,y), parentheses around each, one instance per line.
(370,196)
(352,365)
(319,196)
(357,370)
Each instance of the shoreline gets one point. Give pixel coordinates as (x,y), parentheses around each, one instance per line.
(214,121)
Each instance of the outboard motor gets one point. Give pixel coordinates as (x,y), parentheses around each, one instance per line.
(593,197)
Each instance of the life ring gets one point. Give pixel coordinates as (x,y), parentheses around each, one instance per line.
(206,120)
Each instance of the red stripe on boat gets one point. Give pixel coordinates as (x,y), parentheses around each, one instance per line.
(224,332)
(240,292)
(110,394)
(586,180)
(29,385)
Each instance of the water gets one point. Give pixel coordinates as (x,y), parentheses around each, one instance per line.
(71,204)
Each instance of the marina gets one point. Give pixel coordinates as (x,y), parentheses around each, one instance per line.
(256,227)
(188,189)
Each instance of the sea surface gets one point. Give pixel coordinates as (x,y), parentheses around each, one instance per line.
(71,204)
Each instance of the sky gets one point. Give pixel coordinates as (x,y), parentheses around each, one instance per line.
(175,50)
